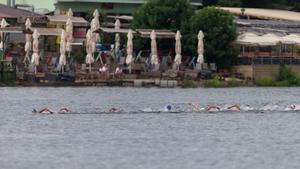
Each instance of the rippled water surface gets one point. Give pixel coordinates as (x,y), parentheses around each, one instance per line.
(132,139)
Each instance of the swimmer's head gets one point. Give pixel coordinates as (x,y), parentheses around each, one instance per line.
(34,111)
(169,107)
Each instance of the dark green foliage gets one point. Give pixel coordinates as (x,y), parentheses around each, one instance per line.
(162,14)
(266,81)
(215,82)
(188,83)
(219,31)
(286,77)
(230,3)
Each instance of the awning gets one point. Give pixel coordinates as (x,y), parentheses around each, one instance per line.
(11,30)
(269,40)
(62,19)
(145,33)
(45,31)
(247,39)
(112,30)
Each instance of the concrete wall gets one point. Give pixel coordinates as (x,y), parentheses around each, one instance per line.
(259,71)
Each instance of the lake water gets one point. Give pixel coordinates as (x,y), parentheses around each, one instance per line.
(131,139)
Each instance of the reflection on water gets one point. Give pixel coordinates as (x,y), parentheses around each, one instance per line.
(91,138)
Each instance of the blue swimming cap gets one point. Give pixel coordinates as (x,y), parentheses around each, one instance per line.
(34,111)
(169,107)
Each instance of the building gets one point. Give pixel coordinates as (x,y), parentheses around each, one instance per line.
(114,7)
(267,38)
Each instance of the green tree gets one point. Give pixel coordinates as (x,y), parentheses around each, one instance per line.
(162,14)
(219,31)
(230,3)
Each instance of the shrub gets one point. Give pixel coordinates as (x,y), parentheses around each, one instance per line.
(266,81)
(189,83)
(215,82)
(233,83)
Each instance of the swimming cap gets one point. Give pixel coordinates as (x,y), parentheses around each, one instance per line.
(169,107)
(34,110)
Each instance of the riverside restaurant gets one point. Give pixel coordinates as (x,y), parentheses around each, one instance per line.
(53,53)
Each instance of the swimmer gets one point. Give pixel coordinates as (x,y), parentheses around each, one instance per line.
(234,107)
(64,110)
(247,107)
(43,111)
(195,107)
(291,107)
(113,110)
(168,108)
(212,107)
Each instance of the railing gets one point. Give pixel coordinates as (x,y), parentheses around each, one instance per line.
(268,60)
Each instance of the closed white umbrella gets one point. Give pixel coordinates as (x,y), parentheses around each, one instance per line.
(154,57)
(69,35)
(70,13)
(177,59)
(35,48)
(117,37)
(129,57)
(62,57)
(89,49)
(95,25)
(28,42)
(2,25)
(200,48)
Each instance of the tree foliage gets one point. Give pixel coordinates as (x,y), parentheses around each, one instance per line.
(162,14)
(219,31)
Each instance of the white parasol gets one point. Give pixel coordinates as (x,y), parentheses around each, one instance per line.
(129,58)
(154,57)
(200,48)
(95,25)
(2,25)
(89,49)
(117,37)
(28,43)
(69,35)
(178,48)
(35,48)
(62,57)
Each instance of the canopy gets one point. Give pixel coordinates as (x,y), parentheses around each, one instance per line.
(160,33)
(248,39)
(269,40)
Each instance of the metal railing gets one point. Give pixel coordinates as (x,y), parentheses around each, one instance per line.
(268,60)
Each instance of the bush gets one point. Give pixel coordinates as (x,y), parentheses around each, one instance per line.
(215,82)
(233,83)
(189,83)
(266,81)
(287,74)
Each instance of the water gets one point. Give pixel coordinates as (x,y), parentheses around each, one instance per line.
(135,140)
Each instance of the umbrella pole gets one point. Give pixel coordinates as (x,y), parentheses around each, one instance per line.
(90,67)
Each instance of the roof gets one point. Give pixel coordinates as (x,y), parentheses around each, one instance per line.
(12,30)
(62,19)
(47,31)
(265,13)
(160,33)
(193,2)
(112,30)
(122,17)
(9,12)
